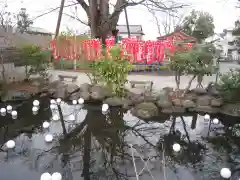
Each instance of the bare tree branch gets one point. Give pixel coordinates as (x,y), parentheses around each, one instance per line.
(84,6)
(52,10)
(76,18)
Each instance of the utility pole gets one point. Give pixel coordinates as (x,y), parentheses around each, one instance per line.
(59,18)
(127,23)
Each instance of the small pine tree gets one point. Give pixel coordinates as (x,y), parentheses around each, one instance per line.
(23,21)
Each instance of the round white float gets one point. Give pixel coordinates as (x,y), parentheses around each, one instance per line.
(46,125)
(52,101)
(176,147)
(46,176)
(56,176)
(59,100)
(80,101)
(74,102)
(207,117)
(10,144)
(36,103)
(105,107)
(215,121)
(55,117)
(34,109)
(48,138)
(71,117)
(14,114)
(3,111)
(225,173)
(53,106)
(9,108)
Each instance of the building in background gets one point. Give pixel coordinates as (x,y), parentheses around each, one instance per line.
(136,31)
(228,43)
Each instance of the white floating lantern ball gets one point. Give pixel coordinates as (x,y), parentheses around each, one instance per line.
(48,138)
(55,117)
(46,176)
(207,117)
(46,125)
(10,144)
(74,102)
(215,121)
(53,106)
(9,108)
(59,100)
(52,101)
(34,109)
(105,107)
(81,101)
(176,147)
(14,114)
(71,117)
(36,103)
(3,111)
(56,176)
(225,173)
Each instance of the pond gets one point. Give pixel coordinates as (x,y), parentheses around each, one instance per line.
(89,145)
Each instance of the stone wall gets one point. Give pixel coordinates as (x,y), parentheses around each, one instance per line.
(146,105)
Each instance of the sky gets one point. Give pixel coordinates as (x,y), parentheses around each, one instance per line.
(224,13)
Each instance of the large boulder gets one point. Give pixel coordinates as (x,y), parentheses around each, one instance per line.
(118,101)
(199,91)
(188,103)
(206,109)
(61,93)
(135,98)
(173,109)
(71,88)
(203,100)
(216,102)
(213,89)
(231,109)
(99,92)
(55,86)
(85,87)
(145,110)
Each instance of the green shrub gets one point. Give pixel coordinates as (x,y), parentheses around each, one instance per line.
(229,85)
(112,71)
(35,58)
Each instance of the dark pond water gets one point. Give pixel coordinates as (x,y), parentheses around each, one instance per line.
(115,146)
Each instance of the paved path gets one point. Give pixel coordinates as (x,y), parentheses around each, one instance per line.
(158,81)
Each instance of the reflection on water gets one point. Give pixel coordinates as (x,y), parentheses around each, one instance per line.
(88,145)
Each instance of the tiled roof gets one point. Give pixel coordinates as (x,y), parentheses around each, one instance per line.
(39,30)
(134,29)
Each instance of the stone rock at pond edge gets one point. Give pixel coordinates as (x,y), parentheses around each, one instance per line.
(190,96)
(75,96)
(177,102)
(118,101)
(216,102)
(85,95)
(199,91)
(55,85)
(60,93)
(71,88)
(135,98)
(205,109)
(173,109)
(98,92)
(203,100)
(162,103)
(212,89)
(145,110)
(231,109)
(188,103)
(85,87)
